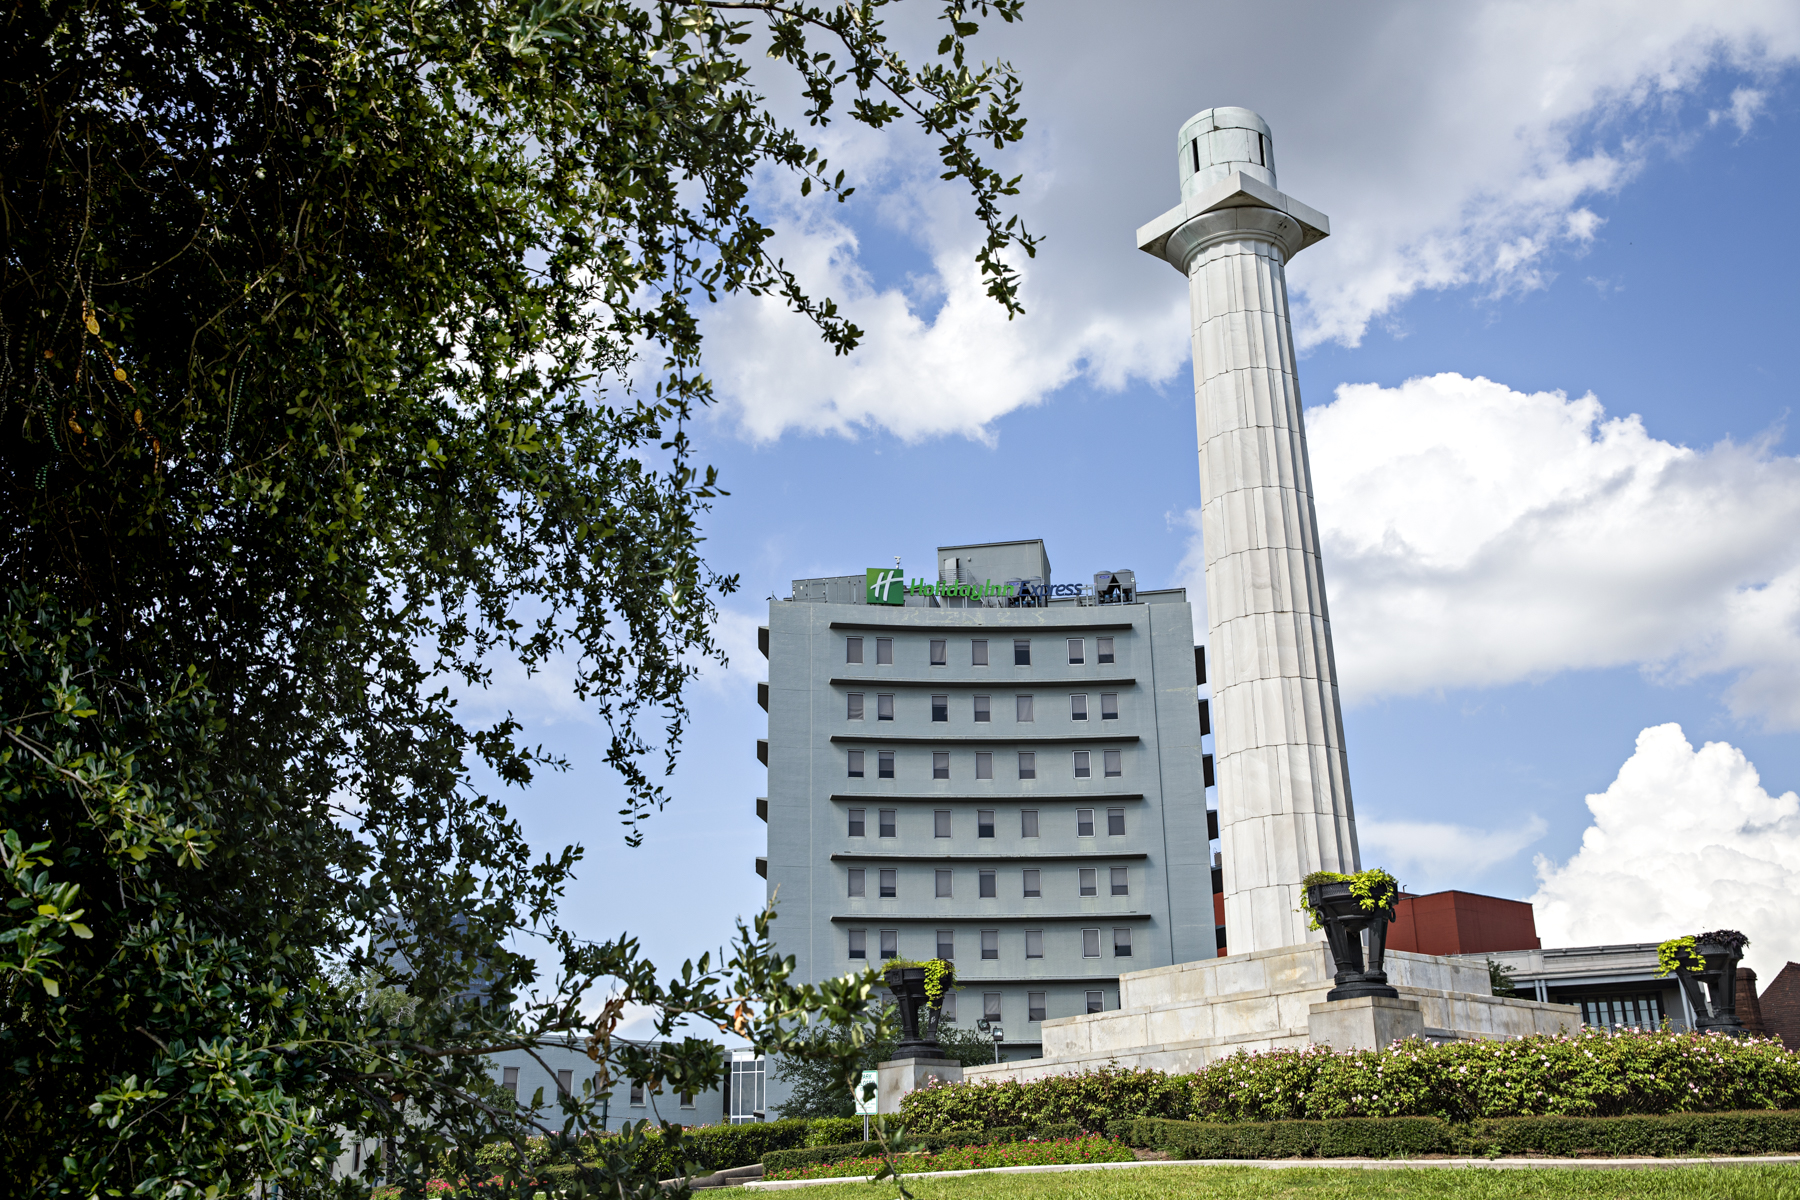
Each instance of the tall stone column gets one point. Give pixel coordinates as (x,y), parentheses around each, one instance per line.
(1284,787)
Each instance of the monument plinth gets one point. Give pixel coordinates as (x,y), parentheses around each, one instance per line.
(1284,787)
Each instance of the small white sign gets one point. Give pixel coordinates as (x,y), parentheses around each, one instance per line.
(868,1087)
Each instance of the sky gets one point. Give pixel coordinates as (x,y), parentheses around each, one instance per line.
(1546,356)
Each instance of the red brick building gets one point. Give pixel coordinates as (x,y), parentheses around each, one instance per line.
(1461,923)
(1780,1006)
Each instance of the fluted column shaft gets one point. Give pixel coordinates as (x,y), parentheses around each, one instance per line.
(1284,787)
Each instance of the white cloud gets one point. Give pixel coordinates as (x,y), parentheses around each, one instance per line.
(1683,841)
(1475,535)
(1452,145)
(1429,856)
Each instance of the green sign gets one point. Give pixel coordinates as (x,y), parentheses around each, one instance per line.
(886,585)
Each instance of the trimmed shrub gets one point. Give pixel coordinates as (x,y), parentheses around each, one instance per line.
(832,1131)
(1089,1100)
(791,1160)
(1410,1137)
(1593,1073)
(1084,1149)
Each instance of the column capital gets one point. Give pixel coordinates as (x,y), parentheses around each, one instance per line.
(1235,192)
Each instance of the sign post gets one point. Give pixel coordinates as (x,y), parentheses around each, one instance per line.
(866,1098)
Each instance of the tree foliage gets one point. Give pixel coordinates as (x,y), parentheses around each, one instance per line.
(347,352)
(817,1080)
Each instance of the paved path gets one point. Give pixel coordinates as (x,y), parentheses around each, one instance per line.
(1354,1164)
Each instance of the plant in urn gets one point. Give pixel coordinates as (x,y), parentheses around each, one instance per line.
(1344,906)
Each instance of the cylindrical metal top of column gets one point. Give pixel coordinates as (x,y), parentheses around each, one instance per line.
(1284,787)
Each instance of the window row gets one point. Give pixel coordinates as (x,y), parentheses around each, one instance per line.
(1112,764)
(888,941)
(1036,1008)
(939,651)
(981,707)
(888,822)
(565,1085)
(987,883)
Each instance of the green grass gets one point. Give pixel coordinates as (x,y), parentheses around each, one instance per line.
(1325,1183)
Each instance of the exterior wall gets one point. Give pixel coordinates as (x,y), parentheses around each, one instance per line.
(1165,849)
(1780,1006)
(707,1108)
(1461,923)
(1583,975)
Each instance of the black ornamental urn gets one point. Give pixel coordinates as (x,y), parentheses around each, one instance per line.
(1344,919)
(918,1038)
(1719,953)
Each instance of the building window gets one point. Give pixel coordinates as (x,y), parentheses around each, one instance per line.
(990,943)
(857,818)
(889,883)
(749,1075)
(884,652)
(1121,943)
(1034,1006)
(939,652)
(949,1007)
(890,943)
(1076,656)
(1034,943)
(1027,764)
(984,765)
(1121,882)
(854,711)
(884,707)
(884,764)
(1205,718)
(859,943)
(637,1094)
(946,944)
(1616,1012)
(885,816)
(940,708)
(856,764)
(989,890)
(1028,822)
(853,650)
(1082,768)
(940,764)
(1103,650)
(1096,1002)
(1021,652)
(687,1100)
(1078,707)
(1109,706)
(984,822)
(1090,885)
(1115,763)
(983,710)
(1033,882)
(1084,822)
(1090,943)
(509,1079)
(940,823)
(990,1005)
(1115,822)
(943,884)
(978,652)
(856,881)
(1024,708)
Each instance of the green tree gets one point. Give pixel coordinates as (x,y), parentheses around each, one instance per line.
(318,327)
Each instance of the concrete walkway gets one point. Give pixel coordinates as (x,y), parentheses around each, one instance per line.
(1354,1164)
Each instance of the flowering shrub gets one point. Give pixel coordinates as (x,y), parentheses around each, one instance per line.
(1089,1099)
(1088,1148)
(1591,1073)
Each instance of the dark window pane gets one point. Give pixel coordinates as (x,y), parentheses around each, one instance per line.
(1089,884)
(940,708)
(989,890)
(940,823)
(983,712)
(890,943)
(1022,652)
(978,652)
(1075,654)
(857,817)
(887,821)
(884,652)
(884,764)
(940,766)
(1028,822)
(853,650)
(1115,822)
(890,887)
(939,654)
(1121,943)
(1103,650)
(1027,764)
(1084,822)
(856,764)
(1034,1006)
(984,822)
(1121,882)
(1032,885)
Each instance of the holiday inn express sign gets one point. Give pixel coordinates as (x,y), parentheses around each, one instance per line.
(888,586)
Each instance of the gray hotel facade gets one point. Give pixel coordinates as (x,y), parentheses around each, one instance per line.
(1013,778)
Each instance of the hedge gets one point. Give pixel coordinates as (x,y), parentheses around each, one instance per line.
(1668,1136)
(793,1160)
(1592,1073)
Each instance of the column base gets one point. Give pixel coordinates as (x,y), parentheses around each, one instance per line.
(895,1078)
(1365,1023)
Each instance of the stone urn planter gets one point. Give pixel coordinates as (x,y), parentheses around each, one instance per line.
(918,1033)
(1719,953)
(1344,919)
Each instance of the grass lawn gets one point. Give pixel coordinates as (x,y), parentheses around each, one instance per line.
(1324,1183)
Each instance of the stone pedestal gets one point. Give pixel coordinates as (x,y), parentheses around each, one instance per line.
(1365,1023)
(894,1079)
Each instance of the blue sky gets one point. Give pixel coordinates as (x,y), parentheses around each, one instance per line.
(1517,194)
